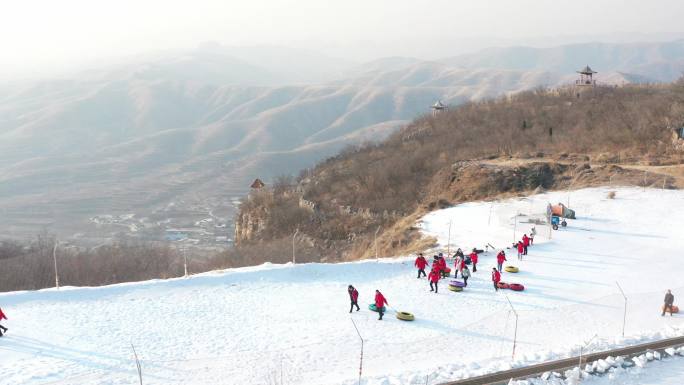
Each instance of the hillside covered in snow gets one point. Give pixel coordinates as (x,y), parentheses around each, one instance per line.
(289,324)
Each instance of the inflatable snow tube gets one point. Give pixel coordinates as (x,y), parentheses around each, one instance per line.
(511,269)
(516,287)
(404,316)
(468,260)
(502,285)
(447,270)
(455,288)
(374,308)
(675,309)
(456,283)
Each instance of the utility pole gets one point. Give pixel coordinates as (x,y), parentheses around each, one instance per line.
(54,258)
(375,240)
(515,225)
(361,359)
(294,236)
(515,333)
(624,317)
(489,220)
(449,239)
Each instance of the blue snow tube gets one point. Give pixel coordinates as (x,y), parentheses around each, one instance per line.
(374,308)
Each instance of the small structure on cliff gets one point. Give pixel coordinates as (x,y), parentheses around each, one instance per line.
(438,107)
(586,77)
(257,184)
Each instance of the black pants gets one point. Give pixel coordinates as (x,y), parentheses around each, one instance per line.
(465,281)
(421,271)
(380,312)
(353,303)
(496,287)
(524,250)
(474,267)
(666,308)
(4,329)
(433,287)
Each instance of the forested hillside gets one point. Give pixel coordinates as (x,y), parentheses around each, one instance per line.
(542,139)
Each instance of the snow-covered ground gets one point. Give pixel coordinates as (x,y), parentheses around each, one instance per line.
(260,324)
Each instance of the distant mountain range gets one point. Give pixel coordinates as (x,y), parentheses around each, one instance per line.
(198,126)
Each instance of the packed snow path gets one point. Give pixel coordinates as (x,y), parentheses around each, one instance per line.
(258,325)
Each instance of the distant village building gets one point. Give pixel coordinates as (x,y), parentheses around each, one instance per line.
(586,77)
(438,107)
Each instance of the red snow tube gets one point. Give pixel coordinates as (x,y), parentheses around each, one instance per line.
(456,283)
(502,285)
(675,309)
(516,287)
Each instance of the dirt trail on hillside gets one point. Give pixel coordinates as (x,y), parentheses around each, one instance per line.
(675,172)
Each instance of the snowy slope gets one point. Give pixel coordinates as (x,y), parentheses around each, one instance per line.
(254,325)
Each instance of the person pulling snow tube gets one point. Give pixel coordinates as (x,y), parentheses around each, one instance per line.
(502,285)
(405,316)
(516,287)
(455,288)
(456,283)
(511,269)
(374,308)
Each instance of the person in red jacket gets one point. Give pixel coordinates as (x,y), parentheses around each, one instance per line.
(434,278)
(521,248)
(442,265)
(496,278)
(526,243)
(421,263)
(2,317)
(353,297)
(473,259)
(500,258)
(380,302)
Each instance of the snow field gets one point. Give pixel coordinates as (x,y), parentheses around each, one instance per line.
(254,325)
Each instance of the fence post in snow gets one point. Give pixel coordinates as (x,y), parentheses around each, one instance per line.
(624,317)
(361,359)
(294,236)
(185,261)
(515,333)
(54,258)
(586,344)
(137,364)
(375,241)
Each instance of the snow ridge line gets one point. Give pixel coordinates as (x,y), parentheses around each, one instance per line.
(535,370)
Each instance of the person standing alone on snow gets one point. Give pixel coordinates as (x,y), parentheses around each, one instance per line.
(533,232)
(473,259)
(465,273)
(520,250)
(380,303)
(353,297)
(434,278)
(496,278)
(2,317)
(500,258)
(526,243)
(421,263)
(669,301)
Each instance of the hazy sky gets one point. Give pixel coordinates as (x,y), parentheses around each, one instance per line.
(40,35)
